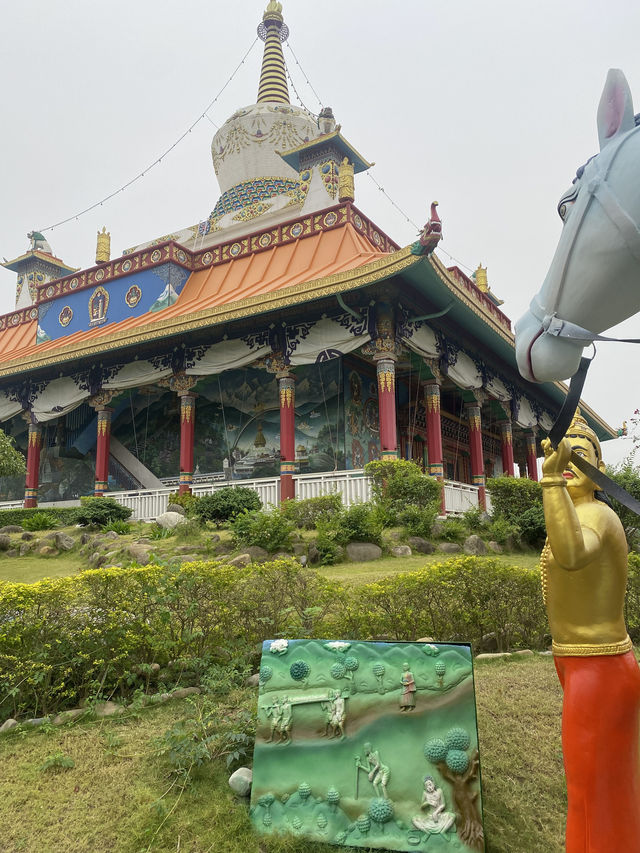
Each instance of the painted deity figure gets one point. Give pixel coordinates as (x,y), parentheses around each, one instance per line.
(377,772)
(437,820)
(275,712)
(408,697)
(584,575)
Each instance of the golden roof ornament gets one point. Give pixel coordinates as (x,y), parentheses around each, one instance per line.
(103,246)
(273,11)
(482,281)
(346,190)
(273,76)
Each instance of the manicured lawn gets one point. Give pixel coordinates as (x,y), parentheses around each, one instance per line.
(118,796)
(29,569)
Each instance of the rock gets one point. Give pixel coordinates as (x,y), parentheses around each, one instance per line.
(240,560)
(47,551)
(491,655)
(5,541)
(155,667)
(437,528)
(185,549)
(84,538)
(240,781)
(11,528)
(28,536)
(401,551)
(299,548)
(183,692)
(361,552)
(257,554)
(176,508)
(143,541)
(111,534)
(313,554)
(425,640)
(165,697)
(493,546)
(64,542)
(422,546)
(25,548)
(224,558)
(68,716)
(107,709)
(97,542)
(51,535)
(523,652)
(215,537)
(35,722)
(139,553)
(474,545)
(12,552)
(450,547)
(281,555)
(8,725)
(189,558)
(169,520)
(490,641)
(253,680)
(97,559)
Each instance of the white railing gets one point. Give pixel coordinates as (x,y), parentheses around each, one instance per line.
(354,486)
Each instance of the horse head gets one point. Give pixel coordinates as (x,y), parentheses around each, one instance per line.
(592,282)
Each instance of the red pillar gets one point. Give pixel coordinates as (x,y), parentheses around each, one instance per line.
(434,435)
(386,370)
(506,434)
(532,456)
(33,465)
(187,426)
(287,392)
(477,456)
(102,451)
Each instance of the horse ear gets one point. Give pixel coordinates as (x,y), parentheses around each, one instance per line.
(615,111)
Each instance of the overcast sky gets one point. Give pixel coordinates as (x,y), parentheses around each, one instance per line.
(487,107)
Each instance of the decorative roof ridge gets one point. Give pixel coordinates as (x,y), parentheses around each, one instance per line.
(39,255)
(455,275)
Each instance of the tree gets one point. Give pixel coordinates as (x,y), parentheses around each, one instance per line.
(11,460)
(460,770)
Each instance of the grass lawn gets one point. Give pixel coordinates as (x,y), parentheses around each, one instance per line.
(118,796)
(29,569)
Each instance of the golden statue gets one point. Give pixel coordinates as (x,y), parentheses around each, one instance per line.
(345,181)
(584,576)
(103,246)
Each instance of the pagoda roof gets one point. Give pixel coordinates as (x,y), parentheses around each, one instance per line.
(17,264)
(337,140)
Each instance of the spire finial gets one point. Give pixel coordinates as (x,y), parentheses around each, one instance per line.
(273,77)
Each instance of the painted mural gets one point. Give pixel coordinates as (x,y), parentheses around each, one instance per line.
(368,745)
(362,428)
(111,302)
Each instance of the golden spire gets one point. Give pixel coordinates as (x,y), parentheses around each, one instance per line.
(345,181)
(103,246)
(482,282)
(273,77)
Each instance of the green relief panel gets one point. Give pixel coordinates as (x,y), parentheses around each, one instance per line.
(370,745)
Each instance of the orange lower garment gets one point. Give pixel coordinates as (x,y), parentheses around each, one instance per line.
(601,747)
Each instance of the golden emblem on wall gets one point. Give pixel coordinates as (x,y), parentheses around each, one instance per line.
(65,316)
(98,304)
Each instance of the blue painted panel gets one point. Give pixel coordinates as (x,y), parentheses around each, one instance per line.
(111,302)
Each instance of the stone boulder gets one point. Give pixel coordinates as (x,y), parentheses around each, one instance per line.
(8,725)
(139,553)
(401,551)
(64,542)
(68,716)
(97,559)
(450,547)
(108,709)
(11,528)
(183,692)
(5,541)
(25,548)
(176,508)
(240,781)
(111,534)
(313,554)
(252,680)
(257,554)
(240,561)
(215,537)
(475,546)
(362,552)
(495,547)
(47,551)
(422,546)
(169,520)
(28,536)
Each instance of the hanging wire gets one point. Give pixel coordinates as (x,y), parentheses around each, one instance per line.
(397,207)
(160,158)
(297,94)
(304,75)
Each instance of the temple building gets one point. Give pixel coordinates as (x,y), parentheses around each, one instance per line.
(283,342)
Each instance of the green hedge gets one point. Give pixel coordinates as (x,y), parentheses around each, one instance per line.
(64,515)
(513,496)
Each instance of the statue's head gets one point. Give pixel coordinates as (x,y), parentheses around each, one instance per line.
(585,443)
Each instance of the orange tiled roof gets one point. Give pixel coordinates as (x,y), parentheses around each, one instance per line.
(318,256)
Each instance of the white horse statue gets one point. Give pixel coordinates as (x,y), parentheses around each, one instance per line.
(594,278)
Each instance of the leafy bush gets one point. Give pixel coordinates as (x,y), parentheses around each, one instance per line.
(632,599)
(329,550)
(306,513)
(398,483)
(63,515)
(270,530)
(504,532)
(475,520)
(417,520)
(511,496)
(187,501)
(98,512)
(189,530)
(452,530)
(628,477)
(12,462)
(40,521)
(226,504)
(532,526)
(118,526)
(157,532)
(359,523)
